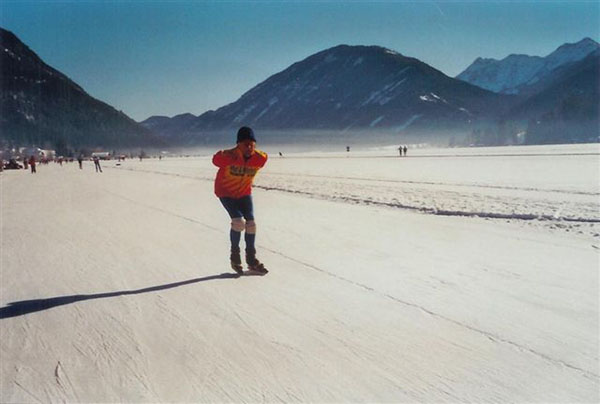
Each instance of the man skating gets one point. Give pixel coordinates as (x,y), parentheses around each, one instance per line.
(233,186)
(97,163)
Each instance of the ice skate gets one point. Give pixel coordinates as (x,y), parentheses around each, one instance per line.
(254,265)
(236,262)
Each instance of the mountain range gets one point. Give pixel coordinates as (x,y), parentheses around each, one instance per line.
(558,95)
(344,89)
(41,106)
(348,87)
(521,74)
(565,109)
(169,128)
(370,88)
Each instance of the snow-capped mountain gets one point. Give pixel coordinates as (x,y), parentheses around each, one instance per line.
(569,53)
(503,76)
(566,108)
(579,80)
(352,87)
(516,73)
(41,106)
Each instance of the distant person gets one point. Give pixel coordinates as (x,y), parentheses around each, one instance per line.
(280,154)
(97,164)
(80,161)
(32,164)
(233,186)
(25,163)
(400,150)
(405,149)
(347,148)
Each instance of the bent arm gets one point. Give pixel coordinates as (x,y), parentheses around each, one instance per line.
(223,158)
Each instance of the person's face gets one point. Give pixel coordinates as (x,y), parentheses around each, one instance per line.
(247,147)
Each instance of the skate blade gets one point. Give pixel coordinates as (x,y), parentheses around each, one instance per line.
(254,272)
(238,269)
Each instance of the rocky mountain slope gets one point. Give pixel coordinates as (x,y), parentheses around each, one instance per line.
(41,106)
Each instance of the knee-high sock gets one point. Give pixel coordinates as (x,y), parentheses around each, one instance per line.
(235,237)
(249,238)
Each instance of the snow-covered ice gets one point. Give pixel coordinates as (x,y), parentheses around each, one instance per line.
(451,275)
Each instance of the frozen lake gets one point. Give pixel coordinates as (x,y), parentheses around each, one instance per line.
(449,275)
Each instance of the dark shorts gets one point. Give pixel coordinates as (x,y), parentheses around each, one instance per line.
(240,207)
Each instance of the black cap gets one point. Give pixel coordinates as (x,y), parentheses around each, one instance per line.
(245,133)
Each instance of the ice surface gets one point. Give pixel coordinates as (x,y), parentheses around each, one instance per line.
(115,287)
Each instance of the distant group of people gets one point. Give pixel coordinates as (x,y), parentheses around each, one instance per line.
(31,162)
(95,159)
(28,163)
(402,149)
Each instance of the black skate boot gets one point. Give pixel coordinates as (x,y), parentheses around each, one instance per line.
(236,261)
(254,265)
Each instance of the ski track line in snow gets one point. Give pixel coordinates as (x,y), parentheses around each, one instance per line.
(28,392)
(452,184)
(431,211)
(491,336)
(384,180)
(58,371)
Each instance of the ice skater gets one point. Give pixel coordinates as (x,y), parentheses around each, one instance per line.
(97,164)
(233,186)
(32,164)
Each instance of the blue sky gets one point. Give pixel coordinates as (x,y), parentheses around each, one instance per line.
(170,57)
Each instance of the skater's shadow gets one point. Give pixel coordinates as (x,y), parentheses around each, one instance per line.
(23,307)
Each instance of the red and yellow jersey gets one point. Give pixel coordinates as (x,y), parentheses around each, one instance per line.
(236,174)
